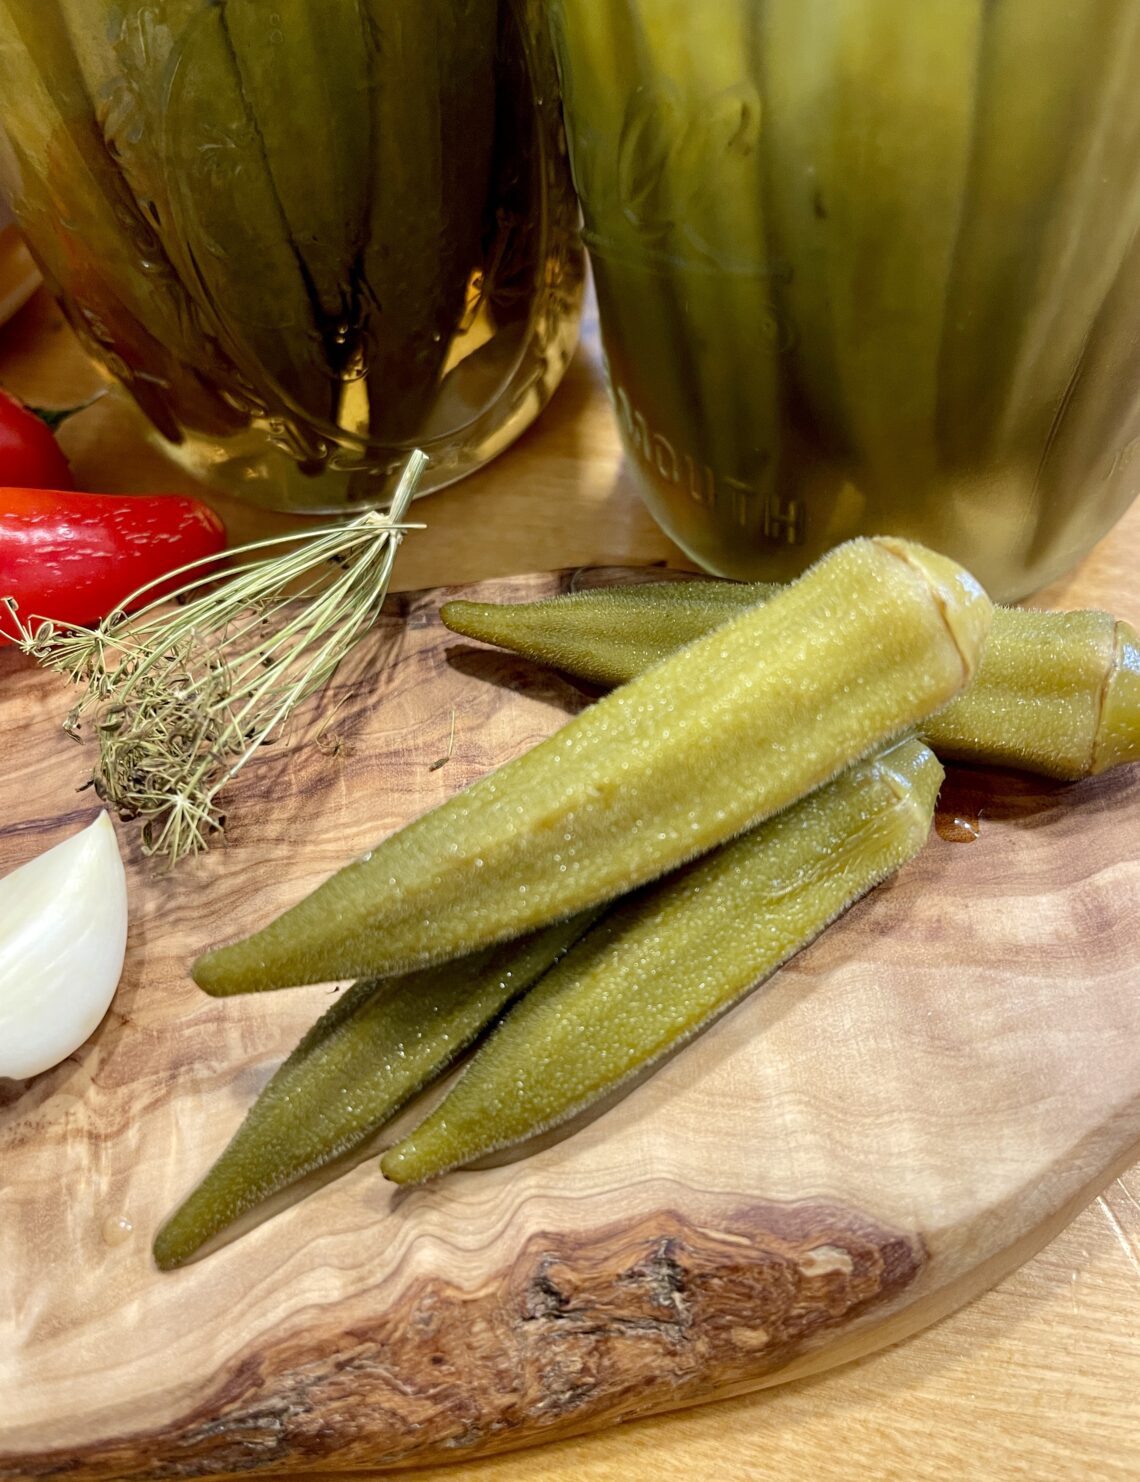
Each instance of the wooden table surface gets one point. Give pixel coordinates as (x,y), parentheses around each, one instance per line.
(1040,1378)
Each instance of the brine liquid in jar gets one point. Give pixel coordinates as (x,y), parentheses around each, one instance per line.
(305,237)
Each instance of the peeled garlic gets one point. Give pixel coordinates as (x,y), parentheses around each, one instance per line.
(63,937)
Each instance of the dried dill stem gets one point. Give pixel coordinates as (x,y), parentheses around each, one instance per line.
(180,697)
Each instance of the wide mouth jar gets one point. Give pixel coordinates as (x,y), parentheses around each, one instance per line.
(306,237)
(866,267)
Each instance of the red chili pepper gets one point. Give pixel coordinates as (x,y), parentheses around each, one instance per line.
(30,457)
(74,558)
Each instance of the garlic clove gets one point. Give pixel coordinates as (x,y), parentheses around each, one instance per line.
(63,937)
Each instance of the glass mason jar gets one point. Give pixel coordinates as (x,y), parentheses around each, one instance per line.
(866,266)
(305,235)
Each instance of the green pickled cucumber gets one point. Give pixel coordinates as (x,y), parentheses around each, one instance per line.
(1056,693)
(669,959)
(373,1050)
(432,129)
(97,247)
(728,730)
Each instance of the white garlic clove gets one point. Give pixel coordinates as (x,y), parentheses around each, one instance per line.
(63,937)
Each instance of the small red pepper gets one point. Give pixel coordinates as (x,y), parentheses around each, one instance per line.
(74,558)
(30,457)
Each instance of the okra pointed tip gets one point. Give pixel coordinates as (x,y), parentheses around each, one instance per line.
(504,624)
(464,617)
(253,965)
(169,1251)
(399,1164)
(205,973)
(224,972)
(1118,734)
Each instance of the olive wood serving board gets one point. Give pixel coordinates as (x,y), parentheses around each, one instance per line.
(911,1107)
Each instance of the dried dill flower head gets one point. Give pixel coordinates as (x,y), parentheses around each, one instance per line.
(180,696)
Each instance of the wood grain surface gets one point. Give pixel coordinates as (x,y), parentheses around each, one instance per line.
(952,1073)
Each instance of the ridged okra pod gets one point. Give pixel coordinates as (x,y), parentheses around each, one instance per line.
(309,70)
(666,961)
(433,128)
(607,635)
(1056,171)
(619,136)
(93,249)
(362,1060)
(868,133)
(666,130)
(1056,693)
(232,226)
(727,731)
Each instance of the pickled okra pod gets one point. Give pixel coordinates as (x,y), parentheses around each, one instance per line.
(607,635)
(236,232)
(1057,693)
(1048,128)
(712,211)
(665,132)
(363,1059)
(432,100)
(673,956)
(59,151)
(597,48)
(315,69)
(868,136)
(719,736)
(157,324)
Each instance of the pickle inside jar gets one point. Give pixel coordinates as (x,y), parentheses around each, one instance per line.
(353,206)
(914,318)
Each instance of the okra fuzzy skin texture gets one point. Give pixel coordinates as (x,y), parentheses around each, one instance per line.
(1056,693)
(607,635)
(715,738)
(368,1054)
(670,958)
